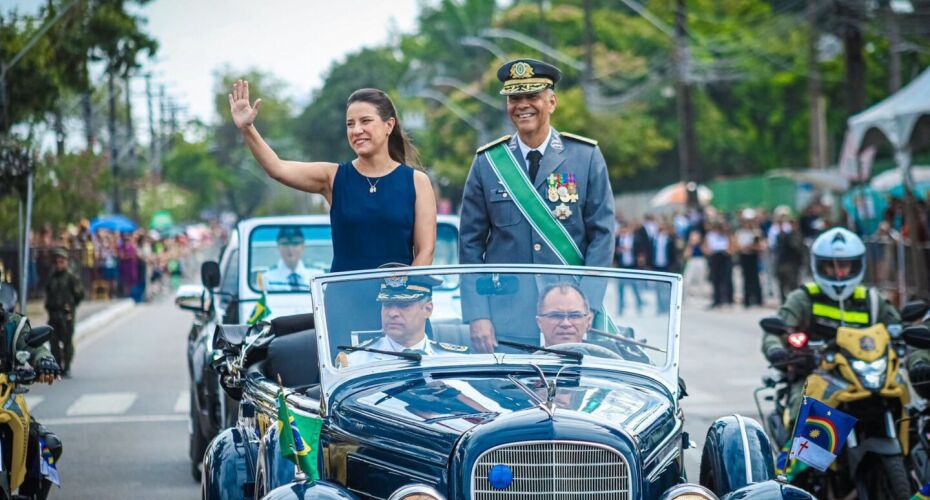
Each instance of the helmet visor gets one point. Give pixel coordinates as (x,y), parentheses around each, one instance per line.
(839,269)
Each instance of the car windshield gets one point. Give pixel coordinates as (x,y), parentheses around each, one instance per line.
(283,258)
(549,313)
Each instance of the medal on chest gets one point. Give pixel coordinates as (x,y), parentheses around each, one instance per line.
(553,191)
(562,211)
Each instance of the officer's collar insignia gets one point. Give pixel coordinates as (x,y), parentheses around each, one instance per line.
(867,343)
(513,143)
(452,347)
(556,142)
(521,70)
(395,282)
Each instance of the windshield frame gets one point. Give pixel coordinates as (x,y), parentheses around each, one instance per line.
(332,377)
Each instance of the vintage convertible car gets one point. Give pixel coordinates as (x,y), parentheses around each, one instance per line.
(582,401)
(228,293)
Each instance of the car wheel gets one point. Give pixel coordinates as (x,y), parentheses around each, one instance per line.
(887,478)
(197,442)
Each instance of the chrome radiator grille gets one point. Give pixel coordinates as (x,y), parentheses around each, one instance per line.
(554,469)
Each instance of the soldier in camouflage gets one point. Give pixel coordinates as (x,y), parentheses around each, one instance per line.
(63,293)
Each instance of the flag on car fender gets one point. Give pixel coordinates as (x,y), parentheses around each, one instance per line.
(820,433)
(299,438)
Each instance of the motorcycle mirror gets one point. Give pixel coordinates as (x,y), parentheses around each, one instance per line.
(914,310)
(774,325)
(39,335)
(210,274)
(917,336)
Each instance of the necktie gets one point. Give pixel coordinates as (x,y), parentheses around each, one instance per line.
(533,157)
(293,280)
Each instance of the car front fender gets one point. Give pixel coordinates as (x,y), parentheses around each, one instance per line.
(319,490)
(737,453)
(769,490)
(228,467)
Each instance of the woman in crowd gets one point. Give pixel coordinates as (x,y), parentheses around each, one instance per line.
(375,197)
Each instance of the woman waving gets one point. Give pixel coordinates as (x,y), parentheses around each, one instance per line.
(382,209)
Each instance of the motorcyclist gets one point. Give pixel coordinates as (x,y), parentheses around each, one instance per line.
(835,298)
(17,326)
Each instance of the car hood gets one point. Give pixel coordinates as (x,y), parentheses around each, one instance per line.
(428,413)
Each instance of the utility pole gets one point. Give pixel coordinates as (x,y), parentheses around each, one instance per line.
(894,49)
(587,86)
(855,62)
(114,150)
(154,161)
(132,161)
(162,123)
(818,132)
(687,146)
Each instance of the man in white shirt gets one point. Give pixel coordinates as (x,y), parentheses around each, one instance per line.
(406,305)
(289,274)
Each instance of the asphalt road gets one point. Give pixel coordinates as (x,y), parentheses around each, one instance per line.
(123,415)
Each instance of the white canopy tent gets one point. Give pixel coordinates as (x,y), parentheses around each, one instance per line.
(893,119)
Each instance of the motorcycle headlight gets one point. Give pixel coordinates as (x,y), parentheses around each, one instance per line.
(416,492)
(688,492)
(872,375)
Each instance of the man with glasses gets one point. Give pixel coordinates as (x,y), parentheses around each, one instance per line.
(289,274)
(406,305)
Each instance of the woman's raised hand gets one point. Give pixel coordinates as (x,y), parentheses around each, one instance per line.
(243,113)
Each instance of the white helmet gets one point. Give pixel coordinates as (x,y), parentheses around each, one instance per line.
(838,262)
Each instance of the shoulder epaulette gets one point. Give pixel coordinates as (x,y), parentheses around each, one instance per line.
(451,347)
(493,143)
(579,138)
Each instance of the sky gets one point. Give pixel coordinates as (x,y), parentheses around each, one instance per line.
(295,40)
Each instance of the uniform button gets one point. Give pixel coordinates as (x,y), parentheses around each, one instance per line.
(504,195)
(537,247)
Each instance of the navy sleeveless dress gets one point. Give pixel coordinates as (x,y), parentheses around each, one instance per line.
(371,229)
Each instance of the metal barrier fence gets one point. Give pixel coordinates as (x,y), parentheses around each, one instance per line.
(893,266)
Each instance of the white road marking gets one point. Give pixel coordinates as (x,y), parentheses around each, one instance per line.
(33,401)
(108,403)
(120,419)
(183,404)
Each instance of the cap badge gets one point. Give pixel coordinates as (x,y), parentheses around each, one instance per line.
(396,281)
(521,70)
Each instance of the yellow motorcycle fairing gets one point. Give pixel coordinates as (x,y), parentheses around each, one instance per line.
(15,414)
(824,384)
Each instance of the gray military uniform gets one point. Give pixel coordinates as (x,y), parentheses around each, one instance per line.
(493,230)
(426,347)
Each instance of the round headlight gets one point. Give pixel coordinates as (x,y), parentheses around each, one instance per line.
(416,492)
(688,492)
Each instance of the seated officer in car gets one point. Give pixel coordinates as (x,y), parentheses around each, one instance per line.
(564,316)
(406,305)
(289,274)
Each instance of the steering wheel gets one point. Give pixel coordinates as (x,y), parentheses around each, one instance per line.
(592,349)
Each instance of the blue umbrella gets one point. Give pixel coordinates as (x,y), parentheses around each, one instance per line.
(115,223)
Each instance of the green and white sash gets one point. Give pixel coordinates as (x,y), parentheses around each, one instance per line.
(532,206)
(534,209)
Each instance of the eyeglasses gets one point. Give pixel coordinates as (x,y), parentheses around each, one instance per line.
(559,316)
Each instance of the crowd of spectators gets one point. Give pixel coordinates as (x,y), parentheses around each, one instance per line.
(138,264)
(757,256)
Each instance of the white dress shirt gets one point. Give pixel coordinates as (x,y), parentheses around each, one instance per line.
(525,150)
(386,343)
(277,279)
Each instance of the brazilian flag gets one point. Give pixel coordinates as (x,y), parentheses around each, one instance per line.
(299,439)
(260,311)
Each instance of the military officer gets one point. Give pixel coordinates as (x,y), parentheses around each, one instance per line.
(289,274)
(406,305)
(537,196)
(63,293)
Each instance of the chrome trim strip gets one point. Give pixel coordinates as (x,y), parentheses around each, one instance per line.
(745,440)
(417,489)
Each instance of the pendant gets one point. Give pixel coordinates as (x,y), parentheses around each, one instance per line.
(372,189)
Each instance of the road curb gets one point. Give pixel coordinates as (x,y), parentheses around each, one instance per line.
(96,320)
